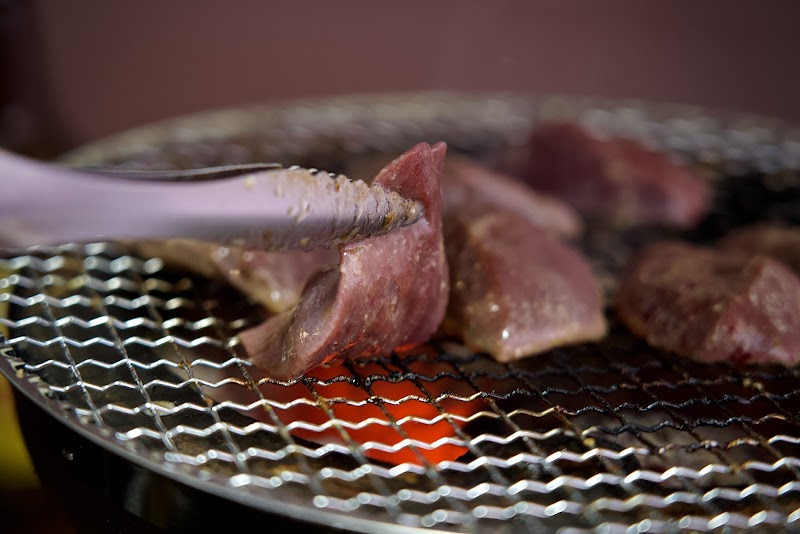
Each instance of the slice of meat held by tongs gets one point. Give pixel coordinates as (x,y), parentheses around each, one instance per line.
(387,292)
(262,207)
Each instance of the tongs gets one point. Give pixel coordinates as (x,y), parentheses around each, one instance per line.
(256,206)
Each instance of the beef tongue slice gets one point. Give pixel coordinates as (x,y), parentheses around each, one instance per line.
(274,280)
(712,305)
(387,292)
(615,179)
(516,289)
(470,189)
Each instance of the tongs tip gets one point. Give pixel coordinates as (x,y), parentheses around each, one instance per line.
(262,205)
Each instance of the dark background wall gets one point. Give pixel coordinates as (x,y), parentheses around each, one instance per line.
(81,69)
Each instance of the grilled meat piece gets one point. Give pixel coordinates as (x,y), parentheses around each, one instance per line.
(468,185)
(503,264)
(515,289)
(779,242)
(272,279)
(470,189)
(276,280)
(616,179)
(387,292)
(712,305)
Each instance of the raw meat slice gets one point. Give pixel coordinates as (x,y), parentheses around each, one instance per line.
(387,292)
(712,305)
(779,242)
(515,289)
(615,179)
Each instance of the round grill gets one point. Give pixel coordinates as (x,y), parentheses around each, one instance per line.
(612,436)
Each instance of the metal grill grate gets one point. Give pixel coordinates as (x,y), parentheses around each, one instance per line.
(612,436)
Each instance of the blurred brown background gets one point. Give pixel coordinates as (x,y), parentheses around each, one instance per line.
(74,71)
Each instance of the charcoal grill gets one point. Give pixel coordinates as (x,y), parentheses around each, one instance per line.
(606,437)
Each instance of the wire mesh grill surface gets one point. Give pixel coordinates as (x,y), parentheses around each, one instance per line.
(612,436)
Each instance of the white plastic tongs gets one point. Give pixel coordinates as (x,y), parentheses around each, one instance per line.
(258,206)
